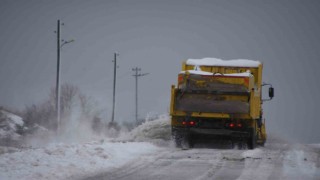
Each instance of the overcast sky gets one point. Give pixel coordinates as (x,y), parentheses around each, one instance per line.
(156,36)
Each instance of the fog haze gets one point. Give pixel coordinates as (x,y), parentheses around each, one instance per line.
(156,36)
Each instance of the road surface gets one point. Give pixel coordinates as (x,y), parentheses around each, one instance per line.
(274,161)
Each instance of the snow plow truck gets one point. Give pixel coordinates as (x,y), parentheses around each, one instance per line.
(219,99)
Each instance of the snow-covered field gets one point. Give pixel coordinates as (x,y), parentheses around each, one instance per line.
(146,153)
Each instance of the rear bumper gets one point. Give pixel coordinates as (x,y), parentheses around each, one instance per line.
(212,132)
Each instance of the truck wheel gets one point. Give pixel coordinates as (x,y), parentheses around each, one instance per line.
(252,140)
(181,139)
(177,138)
(186,142)
(178,142)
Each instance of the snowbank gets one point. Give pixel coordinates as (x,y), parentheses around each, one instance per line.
(156,131)
(62,161)
(74,160)
(9,124)
(220,62)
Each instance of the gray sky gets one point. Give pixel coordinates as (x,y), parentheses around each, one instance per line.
(157,36)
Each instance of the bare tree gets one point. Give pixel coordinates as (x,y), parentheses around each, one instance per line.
(44,114)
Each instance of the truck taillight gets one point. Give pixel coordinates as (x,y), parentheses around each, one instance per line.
(180,79)
(190,123)
(234,125)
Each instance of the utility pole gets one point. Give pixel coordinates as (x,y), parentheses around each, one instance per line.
(114,85)
(59,46)
(136,75)
(58,77)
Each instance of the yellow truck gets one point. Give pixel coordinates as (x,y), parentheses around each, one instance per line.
(215,98)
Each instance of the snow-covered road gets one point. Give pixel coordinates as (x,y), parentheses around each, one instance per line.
(147,153)
(275,161)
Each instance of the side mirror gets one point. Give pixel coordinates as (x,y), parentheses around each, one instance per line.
(271,92)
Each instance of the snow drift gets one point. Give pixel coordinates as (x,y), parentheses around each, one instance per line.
(67,161)
(73,160)
(9,124)
(157,131)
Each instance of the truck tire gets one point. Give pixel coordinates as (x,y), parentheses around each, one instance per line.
(252,142)
(177,140)
(177,137)
(181,139)
(186,142)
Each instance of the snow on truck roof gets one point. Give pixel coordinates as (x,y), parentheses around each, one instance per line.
(220,62)
(204,73)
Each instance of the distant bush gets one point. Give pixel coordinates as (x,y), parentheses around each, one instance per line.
(74,106)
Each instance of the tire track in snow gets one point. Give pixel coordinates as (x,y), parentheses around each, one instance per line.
(128,169)
(275,161)
(173,164)
(229,166)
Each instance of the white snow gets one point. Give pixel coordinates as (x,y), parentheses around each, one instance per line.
(66,161)
(14,118)
(157,132)
(300,164)
(132,155)
(255,153)
(197,72)
(245,74)
(8,125)
(71,161)
(281,161)
(220,62)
